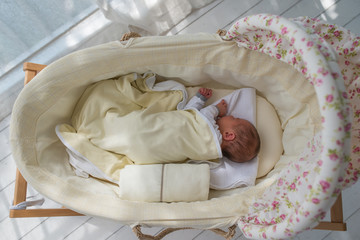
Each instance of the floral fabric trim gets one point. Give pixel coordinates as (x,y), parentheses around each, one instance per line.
(328,57)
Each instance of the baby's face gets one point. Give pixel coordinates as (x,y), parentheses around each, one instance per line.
(229,122)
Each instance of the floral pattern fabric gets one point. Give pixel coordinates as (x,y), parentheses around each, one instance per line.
(328,56)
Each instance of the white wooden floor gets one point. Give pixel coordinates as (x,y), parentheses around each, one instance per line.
(219,14)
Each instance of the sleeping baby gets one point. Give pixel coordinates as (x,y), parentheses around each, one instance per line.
(238,138)
(174,136)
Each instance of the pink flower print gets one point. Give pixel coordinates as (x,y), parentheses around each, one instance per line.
(305,174)
(335,75)
(323,71)
(278,42)
(282,216)
(337,33)
(357,113)
(320,162)
(319,82)
(278,56)
(325,185)
(310,43)
(348,127)
(313,148)
(347,63)
(269,22)
(340,115)
(334,156)
(284,31)
(306,214)
(346,51)
(304,70)
(338,142)
(329,98)
(292,41)
(356,150)
(345,95)
(293,186)
(264,235)
(275,204)
(315,200)
(280,182)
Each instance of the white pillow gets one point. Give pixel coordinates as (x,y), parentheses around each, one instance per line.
(267,124)
(270,131)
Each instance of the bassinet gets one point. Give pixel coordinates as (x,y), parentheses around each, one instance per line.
(276,56)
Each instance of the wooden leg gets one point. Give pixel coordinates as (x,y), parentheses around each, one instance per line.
(337,221)
(31,69)
(20,188)
(20,196)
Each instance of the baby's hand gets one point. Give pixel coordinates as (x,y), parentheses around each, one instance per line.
(206,92)
(222,106)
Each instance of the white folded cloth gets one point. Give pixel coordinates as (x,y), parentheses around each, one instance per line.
(165,182)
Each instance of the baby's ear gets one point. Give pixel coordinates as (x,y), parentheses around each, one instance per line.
(228,135)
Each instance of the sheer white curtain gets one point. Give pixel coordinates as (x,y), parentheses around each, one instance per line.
(27,25)
(42,31)
(149,17)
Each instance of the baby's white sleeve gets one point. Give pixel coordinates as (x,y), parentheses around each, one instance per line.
(197,102)
(210,113)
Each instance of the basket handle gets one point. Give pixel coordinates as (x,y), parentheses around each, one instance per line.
(137,230)
(127,36)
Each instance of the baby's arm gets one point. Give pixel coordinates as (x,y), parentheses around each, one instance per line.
(222,108)
(198,101)
(213,111)
(205,93)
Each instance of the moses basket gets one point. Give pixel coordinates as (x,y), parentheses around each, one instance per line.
(307,69)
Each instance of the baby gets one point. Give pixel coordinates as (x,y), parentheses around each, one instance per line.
(238,138)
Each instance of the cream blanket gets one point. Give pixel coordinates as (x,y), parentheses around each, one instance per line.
(123,121)
(165,182)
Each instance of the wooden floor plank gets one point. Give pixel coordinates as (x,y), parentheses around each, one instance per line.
(353,223)
(311,8)
(342,12)
(220,16)
(57,228)
(276,7)
(7,172)
(5,149)
(354,25)
(5,122)
(197,14)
